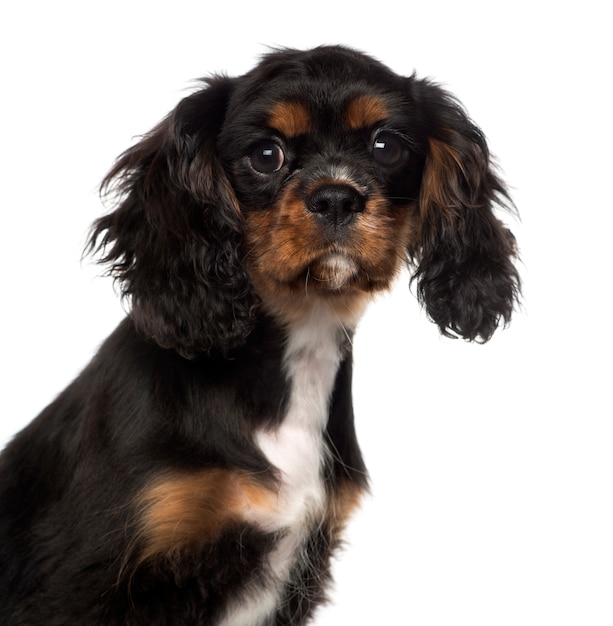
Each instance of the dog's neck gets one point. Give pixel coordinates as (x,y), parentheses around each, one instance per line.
(315,347)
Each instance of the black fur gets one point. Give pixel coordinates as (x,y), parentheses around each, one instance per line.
(465,274)
(67,481)
(174,243)
(197,365)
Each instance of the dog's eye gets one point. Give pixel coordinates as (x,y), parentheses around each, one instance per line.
(388,149)
(267,157)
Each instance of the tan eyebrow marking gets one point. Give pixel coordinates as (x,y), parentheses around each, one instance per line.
(290,118)
(364,111)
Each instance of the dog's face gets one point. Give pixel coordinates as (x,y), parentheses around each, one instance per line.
(311,179)
(326,168)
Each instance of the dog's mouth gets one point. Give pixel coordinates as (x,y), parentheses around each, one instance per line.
(333,271)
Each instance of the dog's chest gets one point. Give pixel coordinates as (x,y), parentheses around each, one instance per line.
(296,448)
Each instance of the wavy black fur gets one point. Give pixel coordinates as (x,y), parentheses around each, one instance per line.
(466,276)
(174,242)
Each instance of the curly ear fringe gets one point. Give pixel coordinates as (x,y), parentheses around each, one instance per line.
(469,288)
(173,243)
(466,277)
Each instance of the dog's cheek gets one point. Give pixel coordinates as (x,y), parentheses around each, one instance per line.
(382,236)
(280,238)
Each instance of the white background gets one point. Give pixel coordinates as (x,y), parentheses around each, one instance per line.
(492,466)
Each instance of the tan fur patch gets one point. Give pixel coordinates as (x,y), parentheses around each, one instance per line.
(290,118)
(342,504)
(364,111)
(194,508)
(285,247)
(281,246)
(445,180)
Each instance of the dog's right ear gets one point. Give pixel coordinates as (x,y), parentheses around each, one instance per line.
(173,242)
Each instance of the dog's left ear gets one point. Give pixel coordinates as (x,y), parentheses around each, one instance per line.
(174,241)
(466,277)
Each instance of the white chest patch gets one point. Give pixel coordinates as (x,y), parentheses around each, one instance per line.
(296,448)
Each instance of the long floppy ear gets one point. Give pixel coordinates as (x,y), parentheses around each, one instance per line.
(173,241)
(465,256)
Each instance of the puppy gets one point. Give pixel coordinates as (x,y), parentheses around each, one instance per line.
(202,467)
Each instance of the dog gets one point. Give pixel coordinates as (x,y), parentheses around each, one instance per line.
(202,467)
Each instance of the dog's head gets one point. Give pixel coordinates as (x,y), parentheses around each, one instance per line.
(310,179)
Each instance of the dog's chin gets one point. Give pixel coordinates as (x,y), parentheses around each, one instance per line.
(334,272)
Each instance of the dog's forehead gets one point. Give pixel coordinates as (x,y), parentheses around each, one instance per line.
(293,115)
(299,107)
(294,92)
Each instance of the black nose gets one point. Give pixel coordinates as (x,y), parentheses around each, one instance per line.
(338,203)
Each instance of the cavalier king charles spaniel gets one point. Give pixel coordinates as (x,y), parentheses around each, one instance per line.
(200,470)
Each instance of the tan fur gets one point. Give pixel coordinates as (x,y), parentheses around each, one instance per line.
(444,181)
(342,504)
(286,245)
(364,111)
(290,118)
(178,511)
